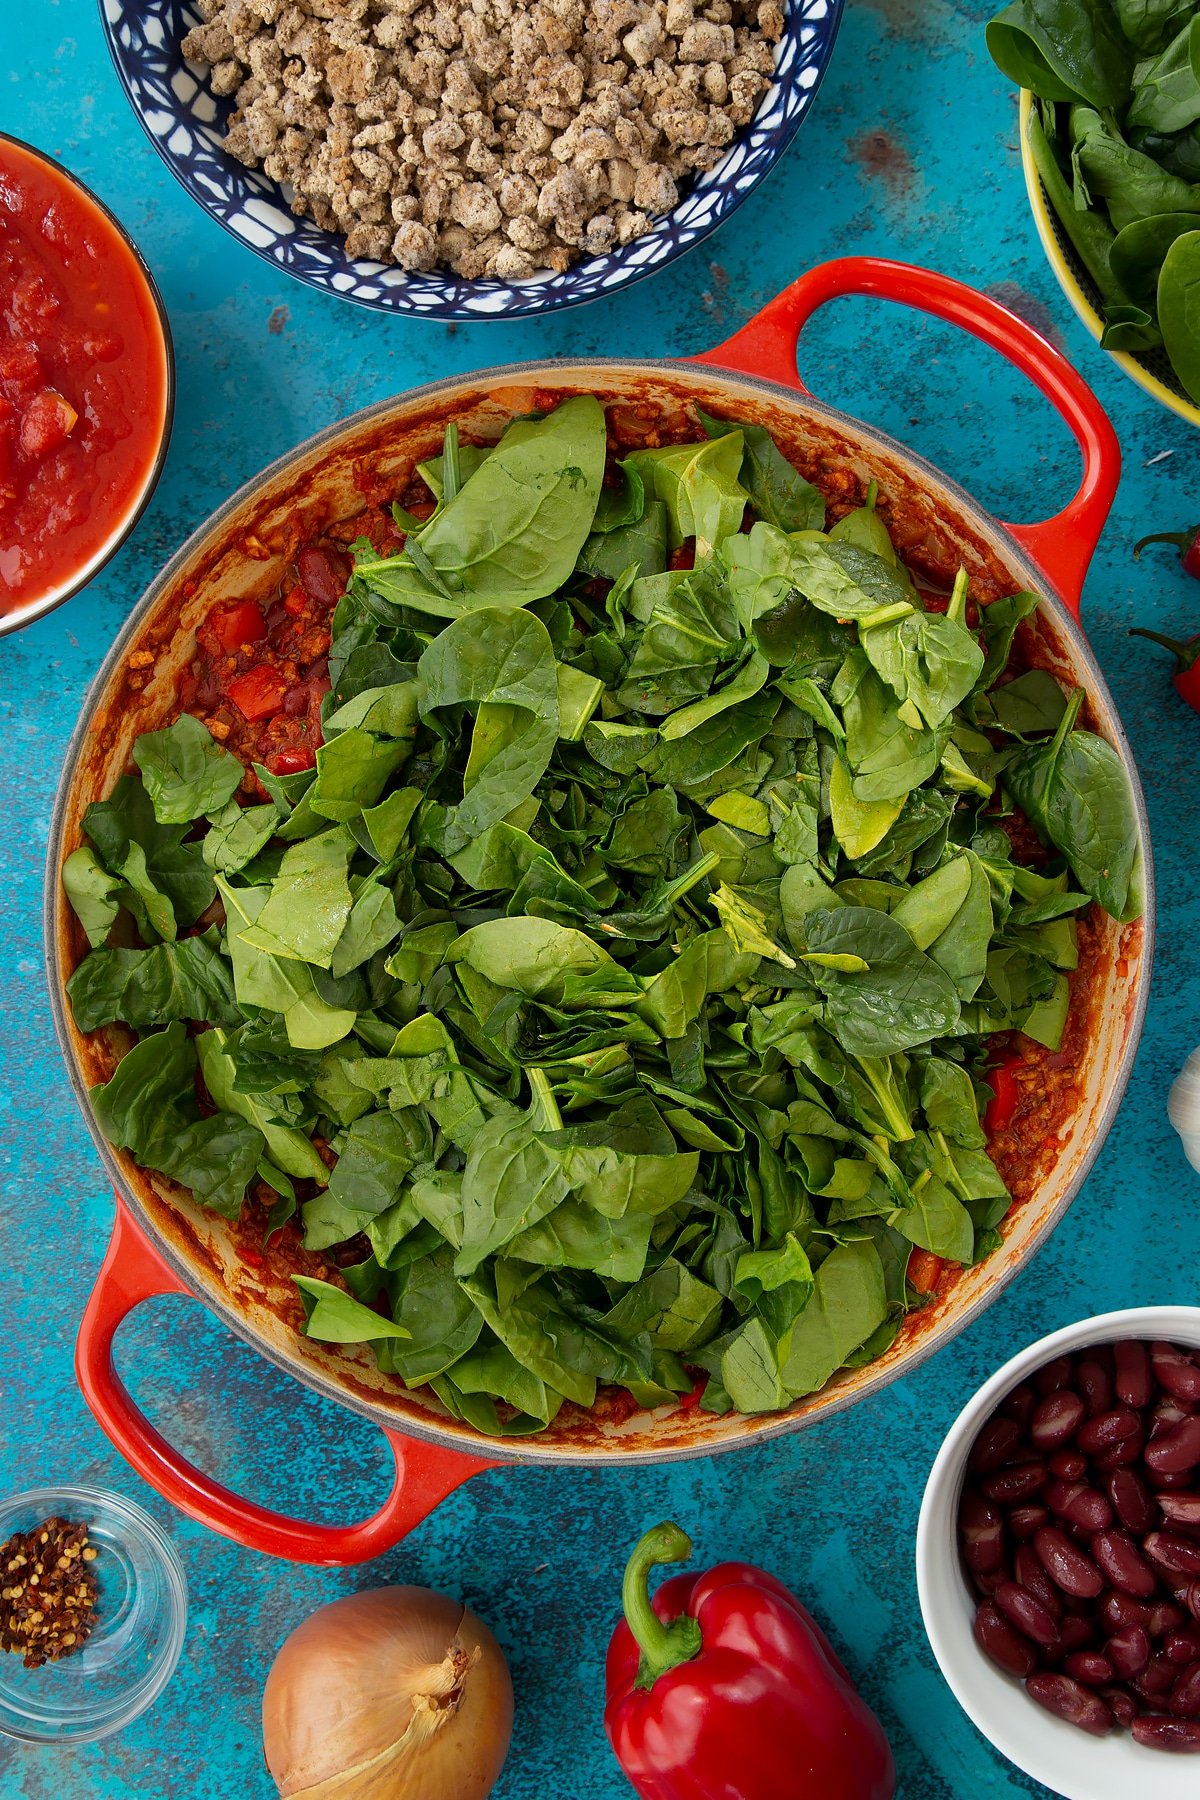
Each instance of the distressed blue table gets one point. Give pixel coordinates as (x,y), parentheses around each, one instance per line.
(912,152)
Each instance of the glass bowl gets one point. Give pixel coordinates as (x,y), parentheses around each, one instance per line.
(141,1614)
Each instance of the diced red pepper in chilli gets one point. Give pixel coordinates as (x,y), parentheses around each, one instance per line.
(239,623)
(292,760)
(923,1271)
(1003,1084)
(258,693)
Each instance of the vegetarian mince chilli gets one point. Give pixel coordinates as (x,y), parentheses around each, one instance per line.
(617,924)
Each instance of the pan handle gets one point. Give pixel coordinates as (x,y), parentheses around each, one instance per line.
(1063,546)
(133,1271)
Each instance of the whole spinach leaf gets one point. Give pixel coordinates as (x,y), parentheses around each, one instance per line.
(1075,794)
(185,771)
(185,980)
(513,532)
(778,492)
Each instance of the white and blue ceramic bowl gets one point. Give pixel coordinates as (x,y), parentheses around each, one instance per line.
(186,124)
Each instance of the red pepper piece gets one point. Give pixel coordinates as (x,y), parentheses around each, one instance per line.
(241,622)
(1005,1094)
(258,693)
(1186,542)
(292,760)
(725,1685)
(1186,679)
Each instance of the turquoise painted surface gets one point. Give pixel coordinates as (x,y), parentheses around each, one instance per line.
(911,151)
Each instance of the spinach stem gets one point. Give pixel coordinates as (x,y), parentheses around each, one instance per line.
(544,1101)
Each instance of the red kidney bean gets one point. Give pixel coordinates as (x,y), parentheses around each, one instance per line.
(1189,1596)
(1177,1449)
(1131,1373)
(323,574)
(982,1532)
(1056,1419)
(1029,1573)
(1175,1372)
(1068,1700)
(1165,1482)
(1074,1633)
(987,1584)
(1054,1375)
(1121,1560)
(1158,1733)
(1167,1414)
(997,1639)
(1181,1647)
(995,1444)
(1066,1565)
(1157,1678)
(1119,1610)
(1026,1612)
(1108,1428)
(1185,1695)
(1023,1521)
(1165,1617)
(1122,1456)
(1122,1705)
(1131,1500)
(1178,1555)
(1128,1650)
(1180,1509)
(1079,1505)
(1095,1384)
(1019,1481)
(1088,1666)
(1019,1404)
(1068,1465)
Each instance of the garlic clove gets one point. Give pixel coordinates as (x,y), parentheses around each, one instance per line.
(1183,1108)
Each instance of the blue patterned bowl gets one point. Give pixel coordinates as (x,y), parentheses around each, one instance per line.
(186,123)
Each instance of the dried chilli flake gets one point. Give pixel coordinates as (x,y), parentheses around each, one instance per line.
(47,1592)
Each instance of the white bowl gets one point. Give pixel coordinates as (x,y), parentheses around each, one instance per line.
(1054,1753)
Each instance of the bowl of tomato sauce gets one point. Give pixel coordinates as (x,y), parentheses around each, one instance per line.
(86,384)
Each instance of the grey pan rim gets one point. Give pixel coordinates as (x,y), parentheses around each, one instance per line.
(22,616)
(606,1454)
(537,307)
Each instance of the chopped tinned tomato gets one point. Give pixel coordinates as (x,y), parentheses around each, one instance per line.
(239,623)
(258,693)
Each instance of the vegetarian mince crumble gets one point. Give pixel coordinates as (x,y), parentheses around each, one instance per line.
(494,137)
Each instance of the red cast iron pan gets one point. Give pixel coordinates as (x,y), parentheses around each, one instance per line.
(164,1244)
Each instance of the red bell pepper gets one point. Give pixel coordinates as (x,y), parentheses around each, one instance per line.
(1186,679)
(725,1688)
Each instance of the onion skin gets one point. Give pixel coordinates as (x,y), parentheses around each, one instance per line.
(396,1693)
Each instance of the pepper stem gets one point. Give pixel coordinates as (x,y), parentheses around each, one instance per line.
(1180,539)
(663,1646)
(1185,654)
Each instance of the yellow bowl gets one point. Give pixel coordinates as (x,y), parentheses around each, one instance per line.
(1151,370)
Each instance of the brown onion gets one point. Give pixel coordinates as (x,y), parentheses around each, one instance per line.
(397,1693)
